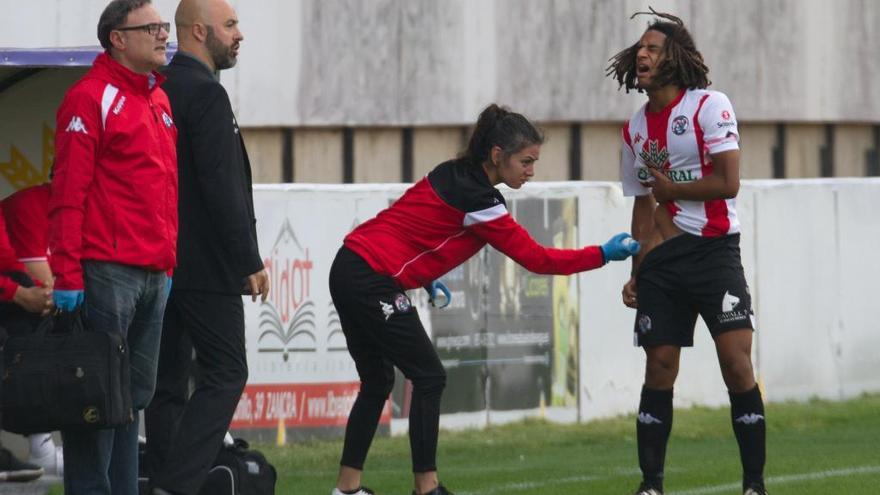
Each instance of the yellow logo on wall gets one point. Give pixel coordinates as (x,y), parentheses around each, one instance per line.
(20,172)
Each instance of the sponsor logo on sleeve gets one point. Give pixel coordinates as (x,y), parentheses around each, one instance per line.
(725,120)
(167,119)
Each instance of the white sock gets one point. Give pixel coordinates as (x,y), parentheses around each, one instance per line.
(41,444)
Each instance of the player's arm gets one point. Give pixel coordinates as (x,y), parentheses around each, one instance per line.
(644,204)
(723,183)
(40,270)
(509,237)
(219,178)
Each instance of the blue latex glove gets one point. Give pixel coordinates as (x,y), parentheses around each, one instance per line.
(68,300)
(432,289)
(167,287)
(619,247)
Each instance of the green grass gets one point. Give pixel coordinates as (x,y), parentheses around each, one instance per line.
(600,458)
(816,447)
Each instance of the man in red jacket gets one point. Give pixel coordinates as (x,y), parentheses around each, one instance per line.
(113,222)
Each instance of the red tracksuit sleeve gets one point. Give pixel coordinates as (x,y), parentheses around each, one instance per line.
(8,262)
(509,237)
(77,132)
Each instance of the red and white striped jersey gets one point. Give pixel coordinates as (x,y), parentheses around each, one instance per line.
(447,217)
(680,139)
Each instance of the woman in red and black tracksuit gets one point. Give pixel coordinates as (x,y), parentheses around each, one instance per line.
(436,225)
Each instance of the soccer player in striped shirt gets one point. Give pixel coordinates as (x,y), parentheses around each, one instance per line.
(680,160)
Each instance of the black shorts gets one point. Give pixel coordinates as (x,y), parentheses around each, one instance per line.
(689,275)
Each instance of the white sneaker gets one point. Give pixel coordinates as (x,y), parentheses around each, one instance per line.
(52,462)
(362,491)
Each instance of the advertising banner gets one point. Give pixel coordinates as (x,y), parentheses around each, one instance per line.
(300,373)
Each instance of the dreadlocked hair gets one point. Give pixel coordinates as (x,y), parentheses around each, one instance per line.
(682,65)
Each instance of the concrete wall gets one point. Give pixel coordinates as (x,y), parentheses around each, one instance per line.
(422,62)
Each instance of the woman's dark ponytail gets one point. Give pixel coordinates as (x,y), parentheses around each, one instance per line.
(498,126)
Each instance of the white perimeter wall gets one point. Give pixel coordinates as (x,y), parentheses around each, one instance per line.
(808,249)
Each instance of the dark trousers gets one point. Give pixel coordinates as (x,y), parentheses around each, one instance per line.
(382,329)
(185,433)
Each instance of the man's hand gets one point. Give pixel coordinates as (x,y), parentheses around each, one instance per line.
(258,283)
(433,288)
(68,300)
(662,187)
(619,247)
(34,299)
(629,294)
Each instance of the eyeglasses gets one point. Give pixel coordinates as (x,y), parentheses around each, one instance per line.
(152,28)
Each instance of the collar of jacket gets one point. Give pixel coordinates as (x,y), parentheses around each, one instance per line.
(189,60)
(108,69)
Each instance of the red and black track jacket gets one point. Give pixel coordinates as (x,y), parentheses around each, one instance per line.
(114,193)
(447,217)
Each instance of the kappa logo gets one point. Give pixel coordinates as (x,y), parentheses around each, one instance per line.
(637,139)
(119,105)
(76,125)
(729,302)
(749,419)
(387,309)
(647,419)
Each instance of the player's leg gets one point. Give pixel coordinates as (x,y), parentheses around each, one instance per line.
(664,324)
(726,306)
(746,404)
(654,420)
(405,342)
(350,280)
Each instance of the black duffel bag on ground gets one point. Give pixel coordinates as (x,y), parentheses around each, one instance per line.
(239,470)
(63,376)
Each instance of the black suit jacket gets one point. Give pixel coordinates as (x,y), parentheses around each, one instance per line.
(217,238)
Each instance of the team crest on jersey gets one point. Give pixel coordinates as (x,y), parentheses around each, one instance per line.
(654,156)
(680,125)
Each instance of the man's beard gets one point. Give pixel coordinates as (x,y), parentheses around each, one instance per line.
(221,54)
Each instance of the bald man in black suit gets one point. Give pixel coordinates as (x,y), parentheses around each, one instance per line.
(217,253)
